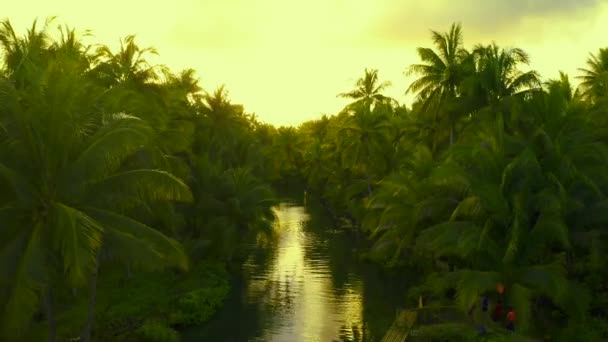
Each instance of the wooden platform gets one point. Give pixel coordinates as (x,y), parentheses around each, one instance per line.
(406,319)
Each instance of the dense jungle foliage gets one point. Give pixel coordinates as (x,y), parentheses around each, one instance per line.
(121,180)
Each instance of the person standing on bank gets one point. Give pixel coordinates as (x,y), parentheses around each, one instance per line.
(510,319)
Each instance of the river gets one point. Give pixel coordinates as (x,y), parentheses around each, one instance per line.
(305,284)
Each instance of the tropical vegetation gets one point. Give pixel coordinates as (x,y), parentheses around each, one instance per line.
(120,180)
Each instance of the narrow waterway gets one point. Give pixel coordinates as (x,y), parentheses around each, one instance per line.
(304,283)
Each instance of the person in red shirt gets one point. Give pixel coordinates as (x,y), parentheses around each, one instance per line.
(497,311)
(511,319)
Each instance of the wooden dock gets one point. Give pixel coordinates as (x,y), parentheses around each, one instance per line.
(407,318)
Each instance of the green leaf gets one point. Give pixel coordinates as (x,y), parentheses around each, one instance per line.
(78,238)
(105,154)
(550,227)
(29,279)
(451,238)
(143,239)
(19,185)
(140,186)
(548,279)
(472,284)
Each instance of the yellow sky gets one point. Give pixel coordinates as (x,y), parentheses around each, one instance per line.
(286,60)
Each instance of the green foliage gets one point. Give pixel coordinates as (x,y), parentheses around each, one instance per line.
(444,332)
(197,306)
(116,142)
(152,331)
(490,177)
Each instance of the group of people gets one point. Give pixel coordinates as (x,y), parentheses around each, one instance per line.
(497,314)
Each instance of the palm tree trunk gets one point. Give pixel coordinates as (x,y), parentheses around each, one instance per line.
(451,133)
(435,131)
(50,314)
(92,299)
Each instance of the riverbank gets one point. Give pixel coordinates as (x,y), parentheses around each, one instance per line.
(142,306)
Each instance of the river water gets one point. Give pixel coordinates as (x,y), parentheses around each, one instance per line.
(304,283)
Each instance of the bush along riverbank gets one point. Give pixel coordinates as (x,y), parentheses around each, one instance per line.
(143,306)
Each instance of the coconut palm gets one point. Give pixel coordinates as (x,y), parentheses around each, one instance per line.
(229,204)
(406,203)
(363,140)
(127,66)
(516,210)
(499,75)
(368,90)
(69,181)
(594,78)
(441,74)
(221,126)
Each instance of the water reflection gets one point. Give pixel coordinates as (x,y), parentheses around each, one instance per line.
(305,285)
(297,288)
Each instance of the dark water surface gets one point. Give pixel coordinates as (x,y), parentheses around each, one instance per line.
(305,284)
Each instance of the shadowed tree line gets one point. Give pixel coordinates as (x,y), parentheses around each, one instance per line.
(105,159)
(493,176)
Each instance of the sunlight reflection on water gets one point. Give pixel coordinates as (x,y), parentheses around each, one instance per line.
(297,289)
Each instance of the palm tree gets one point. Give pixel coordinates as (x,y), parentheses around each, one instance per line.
(228,204)
(515,213)
(442,72)
(498,85)
(594,79)
(407,202)
(498,72)
(223,123)
(368,90)
(287,153)
(33,47)
(128,65)
(77,197)
(363,140)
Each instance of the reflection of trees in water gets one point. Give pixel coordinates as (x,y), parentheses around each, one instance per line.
(354,333)
(281,296)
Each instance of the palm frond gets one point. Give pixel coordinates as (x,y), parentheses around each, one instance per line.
(28,281)
(105,154)
(143,185)
(471,284)
(148,241)
(78,238)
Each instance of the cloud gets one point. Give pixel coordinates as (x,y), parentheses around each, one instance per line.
(481,19)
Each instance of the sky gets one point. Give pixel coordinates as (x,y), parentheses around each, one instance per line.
(286,60)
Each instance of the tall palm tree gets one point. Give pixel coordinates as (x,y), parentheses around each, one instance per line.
(442,72)
(368,90)
(594,79)
(407,202)
(33,47)
(127,66)
(363,140)
(223,123)
(69,181)
(499,75)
